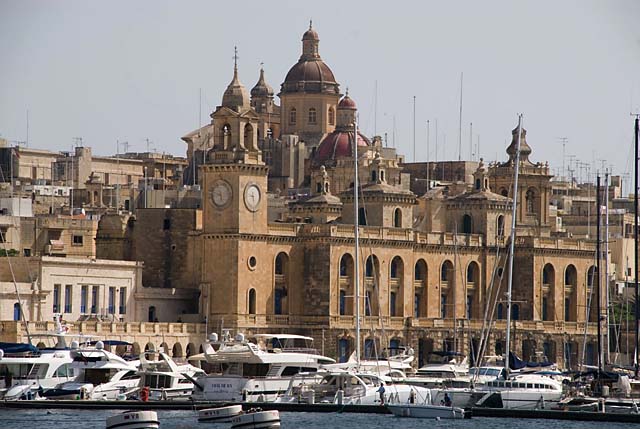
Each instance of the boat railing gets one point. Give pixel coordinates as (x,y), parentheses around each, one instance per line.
(305,350)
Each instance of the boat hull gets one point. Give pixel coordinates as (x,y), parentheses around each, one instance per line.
(426,411)
(134,420)
(219,415)
(257,420)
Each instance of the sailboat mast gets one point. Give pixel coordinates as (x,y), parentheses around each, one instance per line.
(512,244)
(635,247)
(606,266)
(356,232)
(598,276)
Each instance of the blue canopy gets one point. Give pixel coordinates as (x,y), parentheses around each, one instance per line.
(111,343)
(18,348)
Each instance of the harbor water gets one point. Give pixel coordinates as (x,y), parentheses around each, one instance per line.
(84,419)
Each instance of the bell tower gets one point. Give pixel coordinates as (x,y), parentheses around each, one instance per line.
(235,177)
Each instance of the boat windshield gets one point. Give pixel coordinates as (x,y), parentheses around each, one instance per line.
(98,376)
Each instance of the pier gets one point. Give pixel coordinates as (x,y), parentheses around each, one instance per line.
(313,408)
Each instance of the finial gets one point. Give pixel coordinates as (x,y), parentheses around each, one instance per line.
(347,92)
(235,58)
(310,24)
(261,65)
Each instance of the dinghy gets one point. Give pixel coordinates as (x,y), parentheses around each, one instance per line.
(134,420)
(424,411)
(219,415)
(257,420)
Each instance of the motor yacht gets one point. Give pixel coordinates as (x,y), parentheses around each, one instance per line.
(98,374)
(165,378)
(26,370)
(357,387)
(255,368)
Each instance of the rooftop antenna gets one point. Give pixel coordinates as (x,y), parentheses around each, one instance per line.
(460,122)
(564,141)
(375,109)
(393,134)
(26,143)
(414,128)
(436,140)
(428,155)
(636,136)
(470,141)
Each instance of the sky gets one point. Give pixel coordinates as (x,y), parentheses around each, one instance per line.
(136,71)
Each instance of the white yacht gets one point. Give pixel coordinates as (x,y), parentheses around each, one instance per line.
(165,378)
(98,374)
(26,371)
(522,391)
(257,368)
(394,363)
(442,369)
(347,387)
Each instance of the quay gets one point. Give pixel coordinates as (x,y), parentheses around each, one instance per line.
(312,408)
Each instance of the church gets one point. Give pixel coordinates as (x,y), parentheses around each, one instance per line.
(274,250)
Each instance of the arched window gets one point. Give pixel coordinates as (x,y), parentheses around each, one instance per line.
(248,136)
(515,312)
(16,312)
(312,115)
(279,265)
(548,275)
(292,116)
(571,276)
(500,312)
(226,136)
(500,226)
(396,268)
(152,314)
(591,275)
(504,192)
(369,266)
(397,218)
(466,224)
(445,271)
(252,301)
(332,116)
(420,271)
(478,182)
(374,175)
(530,200)
(344,263)
(382,175)
(473,272)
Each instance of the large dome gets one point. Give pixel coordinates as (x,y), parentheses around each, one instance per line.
(310,73)
(338,145)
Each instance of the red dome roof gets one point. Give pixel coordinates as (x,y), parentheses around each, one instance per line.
(338,145)
(347,103)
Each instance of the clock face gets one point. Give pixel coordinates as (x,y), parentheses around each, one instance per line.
(221,194)
(252,196)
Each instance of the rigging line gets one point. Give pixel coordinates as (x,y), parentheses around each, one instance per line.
(485,325)
(490,319)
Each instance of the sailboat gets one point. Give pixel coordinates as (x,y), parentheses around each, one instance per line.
(520,391)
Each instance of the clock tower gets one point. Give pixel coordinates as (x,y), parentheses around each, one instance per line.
(235,177)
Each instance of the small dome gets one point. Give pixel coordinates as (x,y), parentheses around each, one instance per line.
(338,145)
(347,103)
(310,34)
(262,88)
